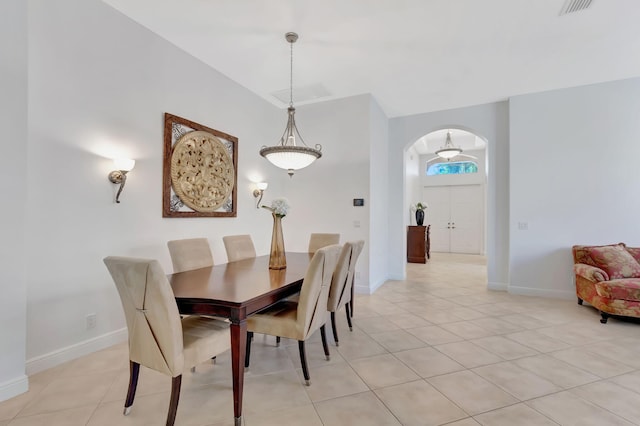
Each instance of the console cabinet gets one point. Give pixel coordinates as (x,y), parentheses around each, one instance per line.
(417,244)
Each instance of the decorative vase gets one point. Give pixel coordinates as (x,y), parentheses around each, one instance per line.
(419,217)
(277,258)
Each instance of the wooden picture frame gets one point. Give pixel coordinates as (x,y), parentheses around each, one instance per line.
(200,179)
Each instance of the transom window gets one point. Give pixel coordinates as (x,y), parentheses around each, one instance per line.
(452,168)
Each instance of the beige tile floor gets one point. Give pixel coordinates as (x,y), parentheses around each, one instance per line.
(436,349)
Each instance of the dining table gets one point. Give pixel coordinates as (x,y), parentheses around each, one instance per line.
(235,290)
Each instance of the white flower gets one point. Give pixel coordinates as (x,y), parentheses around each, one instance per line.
(279,207)
(421,206)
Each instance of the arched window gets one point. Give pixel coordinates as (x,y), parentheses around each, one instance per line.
(452,168)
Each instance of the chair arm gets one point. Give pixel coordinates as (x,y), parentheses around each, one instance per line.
(591,273)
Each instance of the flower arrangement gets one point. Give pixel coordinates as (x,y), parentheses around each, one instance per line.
(279,207)
(421,206)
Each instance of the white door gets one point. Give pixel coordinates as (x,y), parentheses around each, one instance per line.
(438,215)
(456,215)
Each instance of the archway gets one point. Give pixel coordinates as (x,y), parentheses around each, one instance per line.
(454,188)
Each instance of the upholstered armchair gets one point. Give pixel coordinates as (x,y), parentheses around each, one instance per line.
(608,278)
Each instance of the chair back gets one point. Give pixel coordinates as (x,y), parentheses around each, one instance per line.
(190,253)
(312,311)
(153,320)
(317,241)
(239,247)
(343,276)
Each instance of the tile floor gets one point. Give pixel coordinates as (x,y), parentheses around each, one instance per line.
(436,349)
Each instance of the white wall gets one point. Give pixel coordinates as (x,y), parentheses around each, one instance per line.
(321,195)
(489,121)
(412,182)
(574,179)
(379,205)
(99,85)
(13,172)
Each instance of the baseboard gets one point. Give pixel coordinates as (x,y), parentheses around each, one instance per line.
(46,361)
(541,292)
(498,286)
(14,387)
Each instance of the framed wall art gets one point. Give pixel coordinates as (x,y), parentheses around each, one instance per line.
(199,170)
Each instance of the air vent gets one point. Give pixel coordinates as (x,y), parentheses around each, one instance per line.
(302,94)
(571,6)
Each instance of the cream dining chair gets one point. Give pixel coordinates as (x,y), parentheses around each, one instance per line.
(239,247)
(317,241)
(299,320)
(341,291)
(190,253)
(158,338)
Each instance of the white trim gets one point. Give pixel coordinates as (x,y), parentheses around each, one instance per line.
(498,286)
(57,357)
(14,387)
(550,293)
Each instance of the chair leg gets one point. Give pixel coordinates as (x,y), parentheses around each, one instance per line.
(605,317)
(277,341)
(325,346)
(173,403)
(580,301)
(334,329)
(134,371)
(303,361)
(349,315)
(247,355)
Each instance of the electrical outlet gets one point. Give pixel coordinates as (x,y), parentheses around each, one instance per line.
(523,226)
(91,321)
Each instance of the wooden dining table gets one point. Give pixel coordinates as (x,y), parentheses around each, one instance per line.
(235,290)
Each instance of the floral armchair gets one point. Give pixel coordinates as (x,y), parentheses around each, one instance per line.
(608,278)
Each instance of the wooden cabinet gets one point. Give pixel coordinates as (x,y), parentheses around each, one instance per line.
(417,244)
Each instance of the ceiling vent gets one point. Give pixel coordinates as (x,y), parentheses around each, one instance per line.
(571,6)
(302,94)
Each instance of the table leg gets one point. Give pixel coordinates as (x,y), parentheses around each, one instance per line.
(238,350)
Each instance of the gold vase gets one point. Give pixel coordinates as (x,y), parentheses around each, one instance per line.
(277,258)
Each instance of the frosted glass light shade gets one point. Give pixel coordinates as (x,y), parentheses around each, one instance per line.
(448,152)
(124,164)
(262,185)
(290,157)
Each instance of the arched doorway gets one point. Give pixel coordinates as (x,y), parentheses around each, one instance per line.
(453,185)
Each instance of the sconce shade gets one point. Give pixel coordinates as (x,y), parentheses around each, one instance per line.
(262,185)
(124,164)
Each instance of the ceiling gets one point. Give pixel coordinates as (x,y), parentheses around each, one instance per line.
(413,56)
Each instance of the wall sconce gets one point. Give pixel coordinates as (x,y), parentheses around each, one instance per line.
(258,192)
(119,176)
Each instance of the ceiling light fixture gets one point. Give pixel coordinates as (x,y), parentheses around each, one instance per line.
(449,151)
(288,154)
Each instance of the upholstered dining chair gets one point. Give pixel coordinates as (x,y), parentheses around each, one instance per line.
(190,253)
(317,241)
(239,247)
(341,292)
(299,320)
(158,338)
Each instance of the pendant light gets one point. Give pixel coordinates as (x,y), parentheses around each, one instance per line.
(449,151)
(292,153)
